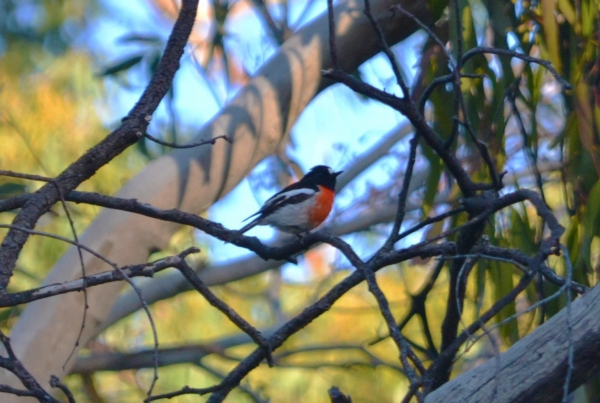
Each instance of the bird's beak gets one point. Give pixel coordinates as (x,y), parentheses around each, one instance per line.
(338,173)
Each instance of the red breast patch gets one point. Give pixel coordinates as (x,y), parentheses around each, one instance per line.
(323,203)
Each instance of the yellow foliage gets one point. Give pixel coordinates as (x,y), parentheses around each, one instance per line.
(47,120)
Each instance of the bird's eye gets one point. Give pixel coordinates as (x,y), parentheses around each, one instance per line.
(330,171)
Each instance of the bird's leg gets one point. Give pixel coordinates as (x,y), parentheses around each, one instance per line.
(302,237)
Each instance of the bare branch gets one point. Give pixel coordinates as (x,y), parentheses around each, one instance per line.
(387,51)
(31,177)
(142,270)
(409,109)
(12,364)
(233,316)
(403,196)
(526,58)
(332,46)
(56,383)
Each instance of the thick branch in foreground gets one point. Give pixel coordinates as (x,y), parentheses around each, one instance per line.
(543,353)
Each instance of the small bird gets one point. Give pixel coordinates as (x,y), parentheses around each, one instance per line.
(299,207)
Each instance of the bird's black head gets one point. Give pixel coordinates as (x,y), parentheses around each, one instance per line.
(321,175)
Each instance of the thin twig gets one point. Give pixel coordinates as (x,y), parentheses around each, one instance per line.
(386,50)
(571,344)
(403,196)
(406,352)
(425,28)
(436,82)
(459,33)
(431,220)
(517,257)
(12,364)
(332,45)
(31,177)
(461,284)
(186,390)
(459,100)
(82,264)
(56,383)
(529,59)
(277,33)
(233,316)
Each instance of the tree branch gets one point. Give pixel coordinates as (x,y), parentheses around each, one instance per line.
(544,353)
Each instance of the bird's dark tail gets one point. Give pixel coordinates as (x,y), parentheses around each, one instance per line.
(245,228)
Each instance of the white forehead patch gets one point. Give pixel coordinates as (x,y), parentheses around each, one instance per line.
(330,170)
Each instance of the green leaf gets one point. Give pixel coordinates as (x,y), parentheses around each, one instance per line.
(152,39)
(11,189)
(571,239)
(592,212)
(553,306)
(588,18)
(522,236)
(153,61)
(121,66)
(431,187)
(567,10)
(551,33)
(142,147)
(8,313)
(501,277)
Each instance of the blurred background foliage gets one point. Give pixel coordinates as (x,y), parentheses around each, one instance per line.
(61,91)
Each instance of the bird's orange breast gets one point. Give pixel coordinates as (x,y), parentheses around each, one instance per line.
(323,203)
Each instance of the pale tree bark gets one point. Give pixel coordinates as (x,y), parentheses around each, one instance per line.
(258,120)
(535,368)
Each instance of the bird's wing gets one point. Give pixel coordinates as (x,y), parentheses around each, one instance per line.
(288,195)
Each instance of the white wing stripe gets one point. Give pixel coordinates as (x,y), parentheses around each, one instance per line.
(295,192)
(287,195)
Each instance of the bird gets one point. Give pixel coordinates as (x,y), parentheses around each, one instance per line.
(299,207)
